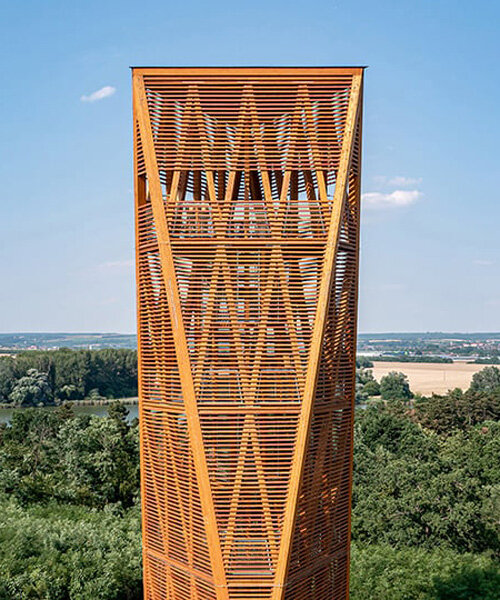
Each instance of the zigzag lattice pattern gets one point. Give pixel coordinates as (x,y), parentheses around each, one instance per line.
(247,206)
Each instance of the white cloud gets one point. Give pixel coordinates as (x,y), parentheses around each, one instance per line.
(395,199)
(104,92)
(398,180)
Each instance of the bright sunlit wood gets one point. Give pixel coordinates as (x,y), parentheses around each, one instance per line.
(247,212)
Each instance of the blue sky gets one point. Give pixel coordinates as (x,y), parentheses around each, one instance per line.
(430,244)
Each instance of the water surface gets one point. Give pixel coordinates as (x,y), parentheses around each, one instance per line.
(99,411)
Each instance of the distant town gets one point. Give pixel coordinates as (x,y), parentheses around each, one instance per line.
(482,348)
(431,347)
(17,342)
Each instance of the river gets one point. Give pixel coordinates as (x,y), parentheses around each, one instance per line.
(99,411)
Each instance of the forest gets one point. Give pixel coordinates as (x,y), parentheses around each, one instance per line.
(426,501)
(40,378)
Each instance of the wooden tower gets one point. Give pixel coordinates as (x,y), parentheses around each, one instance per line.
(247,184)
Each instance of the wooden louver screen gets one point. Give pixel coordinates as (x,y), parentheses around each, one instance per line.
(247,211)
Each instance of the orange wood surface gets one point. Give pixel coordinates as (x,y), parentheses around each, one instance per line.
(247,234)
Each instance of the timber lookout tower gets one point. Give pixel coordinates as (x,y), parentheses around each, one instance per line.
(247,188)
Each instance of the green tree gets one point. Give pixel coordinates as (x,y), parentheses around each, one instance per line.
(118,411)
(81,460)
(364,375)
(412,488)
(360,395)
(7,377)
(457,410)
(379,572)
(395,386)
(372,388)
(61,552)
(468,582)
(32,389)
(100,462)
(363,362)
(392,430)
(488,379)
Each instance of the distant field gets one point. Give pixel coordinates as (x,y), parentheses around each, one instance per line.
(428,378)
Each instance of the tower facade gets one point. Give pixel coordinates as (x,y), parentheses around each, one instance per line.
(247,184)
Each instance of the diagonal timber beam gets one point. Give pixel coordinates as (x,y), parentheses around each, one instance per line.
(303,428)
(179,335)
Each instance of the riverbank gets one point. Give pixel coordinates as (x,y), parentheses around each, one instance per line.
(85,402)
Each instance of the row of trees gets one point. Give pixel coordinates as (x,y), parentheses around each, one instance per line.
(36,378)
